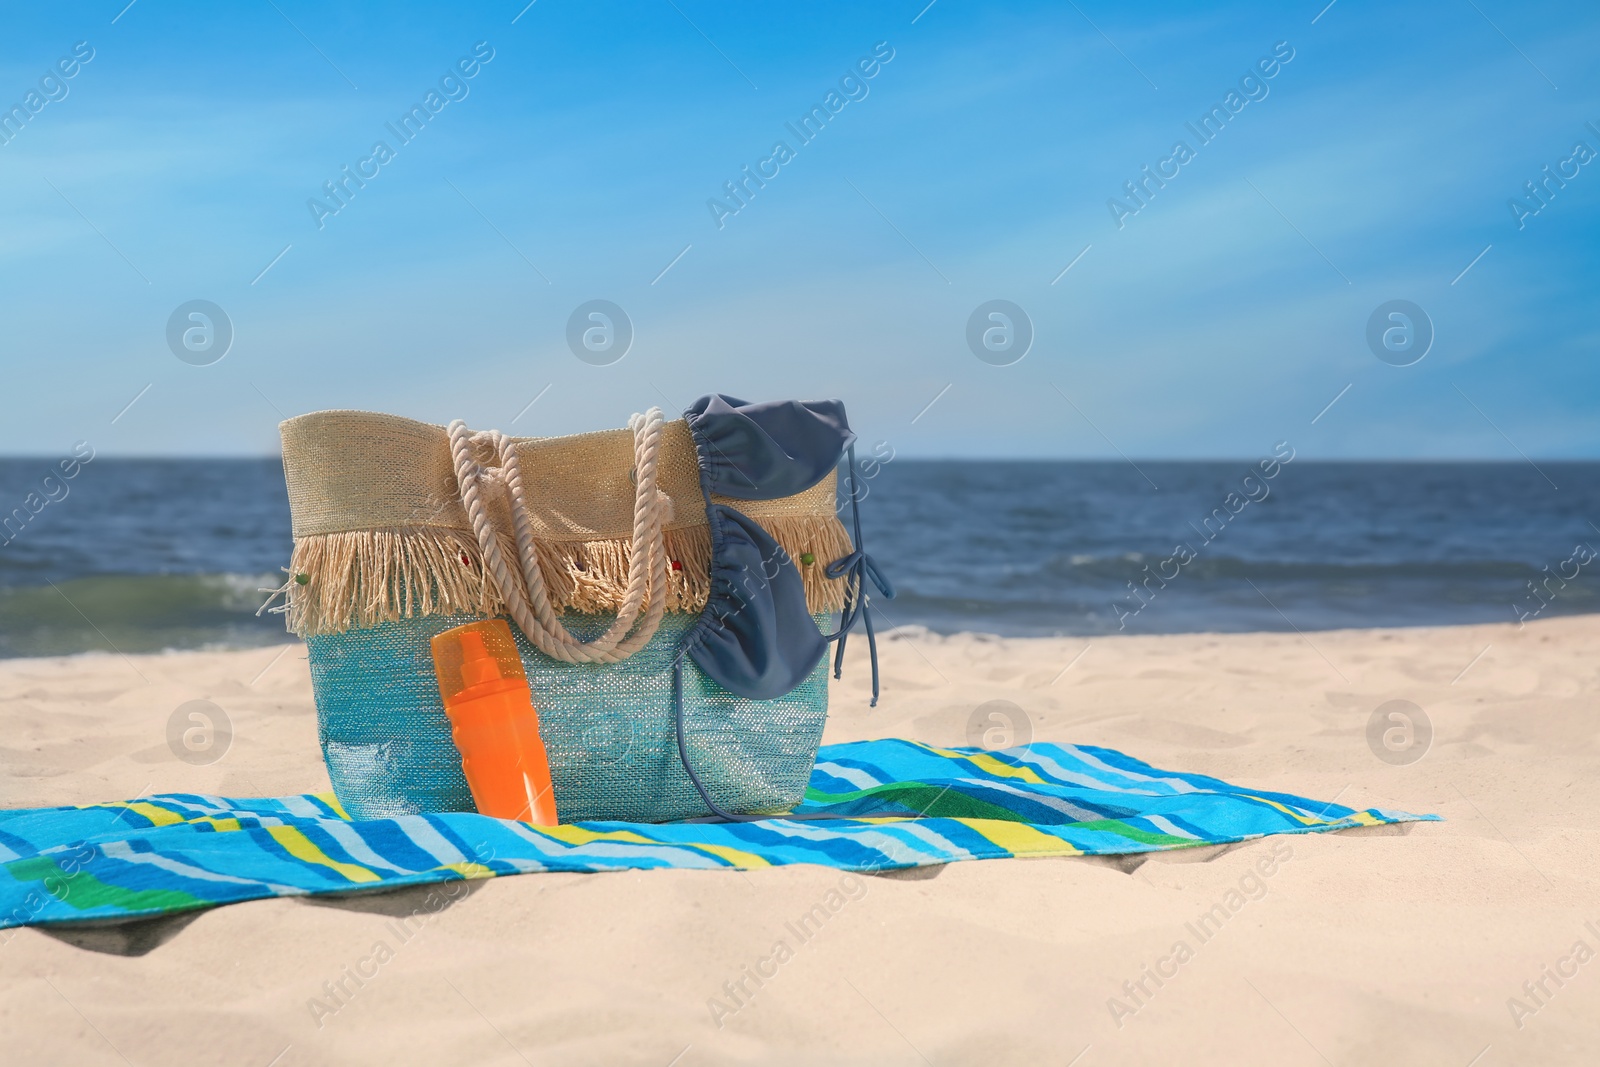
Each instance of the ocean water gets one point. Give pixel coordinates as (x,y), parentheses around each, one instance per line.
(144,555)
(140,555)
(1035,548)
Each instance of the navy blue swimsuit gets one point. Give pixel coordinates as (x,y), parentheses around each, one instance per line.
(756,637)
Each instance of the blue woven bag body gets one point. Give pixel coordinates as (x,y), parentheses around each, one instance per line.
(608,729)
(669,589)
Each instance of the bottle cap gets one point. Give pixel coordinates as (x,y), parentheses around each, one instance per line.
(471,655)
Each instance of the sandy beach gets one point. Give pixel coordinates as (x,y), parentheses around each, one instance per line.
(1365,947)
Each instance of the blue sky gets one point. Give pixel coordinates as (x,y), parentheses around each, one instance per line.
(1220,318)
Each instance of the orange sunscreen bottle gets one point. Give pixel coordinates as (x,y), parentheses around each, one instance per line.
(493,722)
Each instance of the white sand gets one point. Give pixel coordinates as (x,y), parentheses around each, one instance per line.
(1374,947)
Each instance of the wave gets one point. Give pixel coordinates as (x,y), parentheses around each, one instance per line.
(133,613)
(1065,594)
(1127,565)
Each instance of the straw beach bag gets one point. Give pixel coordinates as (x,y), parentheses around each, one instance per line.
(670,587)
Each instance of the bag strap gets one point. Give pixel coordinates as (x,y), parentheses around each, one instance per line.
(532,610)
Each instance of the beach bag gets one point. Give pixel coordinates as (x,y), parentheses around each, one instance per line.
(672,588)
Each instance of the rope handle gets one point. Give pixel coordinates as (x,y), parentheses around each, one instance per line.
(532,610)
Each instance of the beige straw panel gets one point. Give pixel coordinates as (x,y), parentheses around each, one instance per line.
(381,534)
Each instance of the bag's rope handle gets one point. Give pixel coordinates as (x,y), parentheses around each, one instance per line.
(533,612)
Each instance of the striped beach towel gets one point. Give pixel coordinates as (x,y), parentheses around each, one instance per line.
(180,851)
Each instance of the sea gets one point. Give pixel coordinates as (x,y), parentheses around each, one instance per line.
(143,555)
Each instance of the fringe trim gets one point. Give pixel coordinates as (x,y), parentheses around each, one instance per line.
(361,578)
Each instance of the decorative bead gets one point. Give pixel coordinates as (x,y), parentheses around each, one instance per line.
(466,560)
(807,558)
(677,566)
(302,579)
